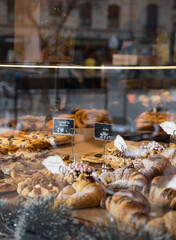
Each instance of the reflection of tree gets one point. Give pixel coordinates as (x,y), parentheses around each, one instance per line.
(52,32)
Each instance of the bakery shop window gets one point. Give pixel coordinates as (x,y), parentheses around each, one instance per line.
(113,16)
(152,19)
(85,14)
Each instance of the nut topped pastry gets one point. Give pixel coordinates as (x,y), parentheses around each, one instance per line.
(117,159)
(41,184)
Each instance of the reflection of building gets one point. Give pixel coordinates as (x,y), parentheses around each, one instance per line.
(56,26)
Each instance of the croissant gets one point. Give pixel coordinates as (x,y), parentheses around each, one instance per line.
(128,207)
(123,178)
(81,194)
(171,154)
(156,165)
(163,192)
(163,227)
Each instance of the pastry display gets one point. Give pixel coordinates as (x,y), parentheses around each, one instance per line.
(81,194)
(141,180)
(93,157)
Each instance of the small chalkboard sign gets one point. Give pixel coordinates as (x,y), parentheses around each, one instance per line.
(63,126)
(103,131)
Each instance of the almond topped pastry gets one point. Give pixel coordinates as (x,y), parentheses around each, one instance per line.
(42,184)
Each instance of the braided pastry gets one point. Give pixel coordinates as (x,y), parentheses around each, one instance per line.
(128,207)
(81,194)
(163,192)
(123,178)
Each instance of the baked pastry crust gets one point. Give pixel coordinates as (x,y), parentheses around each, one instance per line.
(7,185)
(26,159)
(93,157)
(48,137)
(21,142)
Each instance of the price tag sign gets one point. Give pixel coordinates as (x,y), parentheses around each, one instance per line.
(55,164)
(103,131)
(169,127)
(63,126)
(120,143)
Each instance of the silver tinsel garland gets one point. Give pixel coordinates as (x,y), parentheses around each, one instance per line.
(36,220)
